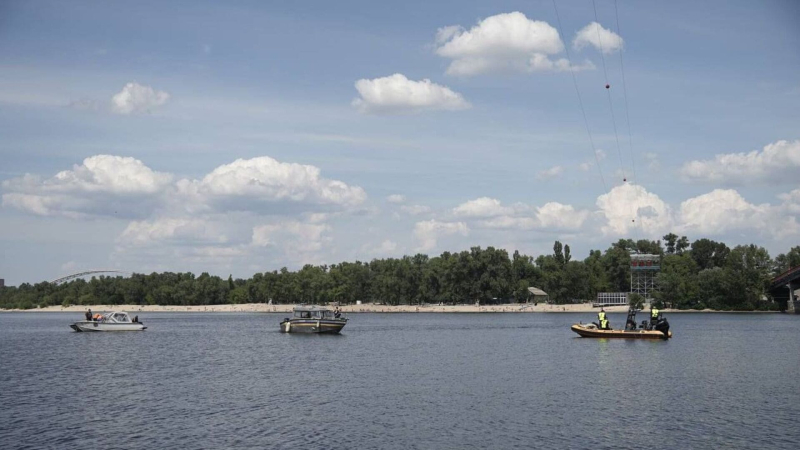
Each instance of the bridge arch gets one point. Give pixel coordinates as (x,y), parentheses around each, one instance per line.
(83,274)
(783,289)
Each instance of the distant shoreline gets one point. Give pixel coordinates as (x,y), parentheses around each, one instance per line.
(364,308)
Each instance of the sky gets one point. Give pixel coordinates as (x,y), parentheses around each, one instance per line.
(242,137)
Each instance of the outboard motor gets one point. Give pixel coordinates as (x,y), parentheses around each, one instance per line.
(663,326)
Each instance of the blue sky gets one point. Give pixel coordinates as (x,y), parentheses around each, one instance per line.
(143,107)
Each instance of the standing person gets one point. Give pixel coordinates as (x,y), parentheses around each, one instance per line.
(337,313)
(654,313)
(89,315)
(601,317)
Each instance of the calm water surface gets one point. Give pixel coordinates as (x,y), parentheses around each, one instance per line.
(399,381)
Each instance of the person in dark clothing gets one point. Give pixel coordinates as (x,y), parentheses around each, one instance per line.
(89,315)
(337,313)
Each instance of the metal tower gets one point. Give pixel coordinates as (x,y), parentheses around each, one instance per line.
(644,269)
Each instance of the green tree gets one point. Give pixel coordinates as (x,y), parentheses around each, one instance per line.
(635,300)
(649,247)
(713,289)
(784,262)
(748,272)
(677,281)
(709,254)
(670,240)
(617,264)
(681,245)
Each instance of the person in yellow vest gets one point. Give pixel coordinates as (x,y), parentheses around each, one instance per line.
(654,313)
(601,317)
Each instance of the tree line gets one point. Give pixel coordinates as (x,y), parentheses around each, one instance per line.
(697,275)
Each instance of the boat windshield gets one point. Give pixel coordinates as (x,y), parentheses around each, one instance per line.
(312,314)
(119,317)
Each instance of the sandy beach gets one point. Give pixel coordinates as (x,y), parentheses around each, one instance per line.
(364,308)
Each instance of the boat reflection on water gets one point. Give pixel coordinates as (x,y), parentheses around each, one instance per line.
(314,319)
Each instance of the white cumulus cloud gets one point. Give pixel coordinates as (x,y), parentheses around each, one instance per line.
(503,42)
(427,233)
(106,185)
(102,184)
(557,216)
(252,183)
(136,98)
(598,37)
(628,202)
(547,174)
(778,162)
(298,241)
(396,94)
(510,222)
(171,230)
(482,207)
(552,216)
(721,210)
(791,201)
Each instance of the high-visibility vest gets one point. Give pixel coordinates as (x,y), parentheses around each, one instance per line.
(603,323)
(654,313)
(601,315)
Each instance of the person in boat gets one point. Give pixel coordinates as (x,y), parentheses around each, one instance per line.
(89,315)
(97,317)
(654,316)
(601,318)
(337,313)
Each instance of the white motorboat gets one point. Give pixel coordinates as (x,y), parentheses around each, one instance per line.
(113,321)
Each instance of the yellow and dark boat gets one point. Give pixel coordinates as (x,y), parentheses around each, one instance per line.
(591,331)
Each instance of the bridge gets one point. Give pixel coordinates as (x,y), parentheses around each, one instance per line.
(783,289)
(83,274)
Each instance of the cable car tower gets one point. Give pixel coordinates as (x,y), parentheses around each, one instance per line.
(644,269)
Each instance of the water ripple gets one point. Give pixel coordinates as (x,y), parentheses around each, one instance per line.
(403,381)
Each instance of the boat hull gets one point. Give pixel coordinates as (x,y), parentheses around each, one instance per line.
(584,331)
(313,326)
(86,326)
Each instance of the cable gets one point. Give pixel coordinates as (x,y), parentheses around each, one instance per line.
(625,92)
(580,102)
(637,227)
(634,211)
(608,90)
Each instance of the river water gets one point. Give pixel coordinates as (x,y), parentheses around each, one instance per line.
(399,381)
